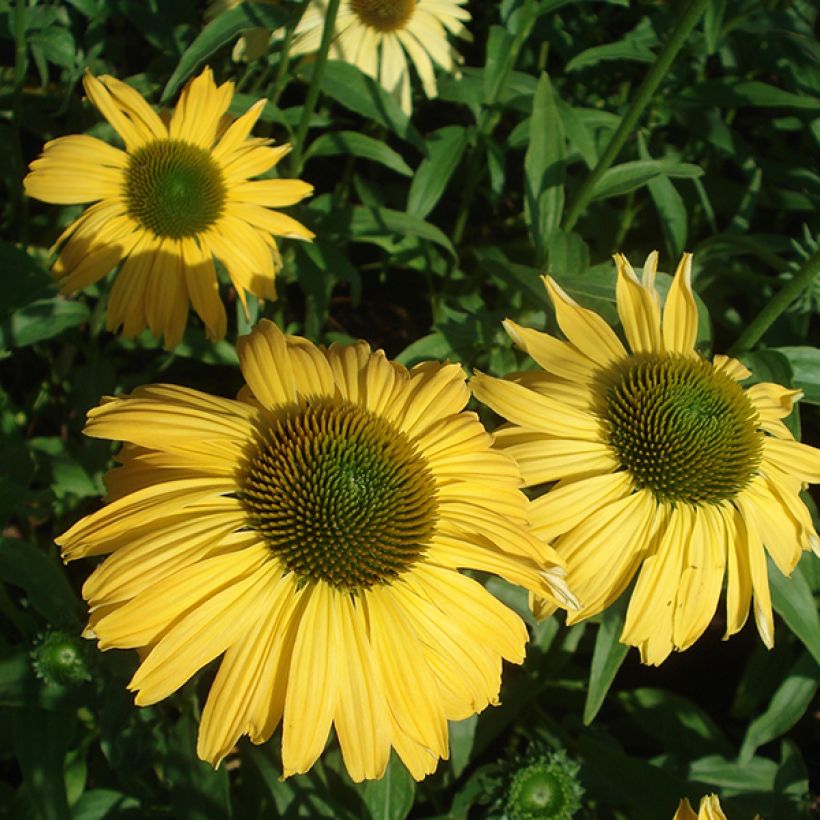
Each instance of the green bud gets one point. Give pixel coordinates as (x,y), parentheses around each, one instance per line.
(61,658)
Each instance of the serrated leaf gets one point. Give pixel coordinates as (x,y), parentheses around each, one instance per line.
(788,704)
(445,149)
(346,143)
(607,656)
(219,32)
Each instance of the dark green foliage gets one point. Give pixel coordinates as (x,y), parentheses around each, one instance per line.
(430,230)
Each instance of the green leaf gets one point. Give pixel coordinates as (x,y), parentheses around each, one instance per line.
(431,346)
(607,656)
(629,176)
(792,599)
(805,364)
(788,704)
(672,212)
(367,223)
(57,45)
(41,578)
(730,93)
(544,168)
(363,95)
(31,280)
(43,319)
(462,737)
(390,798)
(791,785)
(445,149)
(198,791)
(16,678)
(104,804)
(346,143)
(41,755)
(680,725)
(219,32)
(635,47)
(756,775)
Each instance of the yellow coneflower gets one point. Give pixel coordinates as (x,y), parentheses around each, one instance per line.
(312,531)
(709,809)
(179,195)
(378,36)
(664,464)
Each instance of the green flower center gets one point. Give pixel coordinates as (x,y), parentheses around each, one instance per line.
(384,15)
(340,495)
(683,429)
(173,188)
(537,792)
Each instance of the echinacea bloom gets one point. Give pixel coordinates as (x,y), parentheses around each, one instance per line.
(312,531)
(179,195)
(709,809)
(665,466)
(378,36)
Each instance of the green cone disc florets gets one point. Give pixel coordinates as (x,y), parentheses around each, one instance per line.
(384,15)
(545,787)
(61,658)
(174,188)
(340,495)
(683,429)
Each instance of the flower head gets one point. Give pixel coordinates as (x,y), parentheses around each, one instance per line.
(379,35)
(312,532)
(179,195)
(665,466)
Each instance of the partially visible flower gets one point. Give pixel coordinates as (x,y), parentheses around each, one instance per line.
(665,466)
(312,533)
(254,42)
(709,809)
(179,195)
(378,36)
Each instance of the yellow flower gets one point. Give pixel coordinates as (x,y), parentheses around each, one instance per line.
(179,195)
(709,809)
(379,35)
(312,531)
(663,463)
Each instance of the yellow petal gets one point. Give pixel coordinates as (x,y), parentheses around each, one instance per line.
(738,578)
(772,401)
(203,289)
(542,458)
(702,577)
(132,135)
(271,193)
(638,310)
(313,682)
(793,457)
(361,717)
(556,357)
(266,365)
(534,411)
(585,328)
(564,507)
(731,367)
(680,313)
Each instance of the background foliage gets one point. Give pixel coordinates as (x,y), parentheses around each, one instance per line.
(429,232)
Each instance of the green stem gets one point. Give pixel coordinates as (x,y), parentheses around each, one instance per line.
(280,80)
(297,158)
(782,299)
(19,204)
(643,97)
